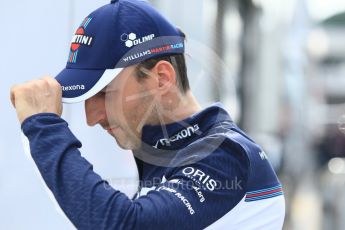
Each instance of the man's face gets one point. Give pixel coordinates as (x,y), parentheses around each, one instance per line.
(123,107)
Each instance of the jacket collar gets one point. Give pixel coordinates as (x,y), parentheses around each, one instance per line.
(179,134)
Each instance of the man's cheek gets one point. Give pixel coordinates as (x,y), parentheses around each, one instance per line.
(130,103)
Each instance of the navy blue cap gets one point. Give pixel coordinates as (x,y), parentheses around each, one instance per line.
(115,36)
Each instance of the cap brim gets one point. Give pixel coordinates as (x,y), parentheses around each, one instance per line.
(80,84)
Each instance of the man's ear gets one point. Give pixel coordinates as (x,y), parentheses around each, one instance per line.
(166,76)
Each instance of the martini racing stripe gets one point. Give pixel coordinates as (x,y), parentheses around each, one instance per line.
(264,193)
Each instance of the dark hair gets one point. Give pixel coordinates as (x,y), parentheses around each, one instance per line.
(176,60)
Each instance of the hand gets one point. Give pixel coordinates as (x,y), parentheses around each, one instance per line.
(37,96)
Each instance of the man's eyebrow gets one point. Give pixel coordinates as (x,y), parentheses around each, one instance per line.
(109,89)
(104,90)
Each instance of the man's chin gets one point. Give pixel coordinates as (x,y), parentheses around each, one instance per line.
(122,146)
(126,145)
(124,142)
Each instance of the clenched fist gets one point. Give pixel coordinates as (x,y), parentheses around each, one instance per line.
(37,96)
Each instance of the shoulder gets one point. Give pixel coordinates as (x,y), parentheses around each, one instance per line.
(228,152)
(215,157)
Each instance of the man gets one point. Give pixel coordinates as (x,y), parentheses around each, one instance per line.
(197,169)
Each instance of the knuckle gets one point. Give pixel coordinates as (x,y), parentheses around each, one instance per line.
(55,82)
(52,81)
(34,86)
(31,84)
(14,88)
(46,79)
(24,88)
(40,84)
(46,83)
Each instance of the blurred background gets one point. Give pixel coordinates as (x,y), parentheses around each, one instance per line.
(277,66)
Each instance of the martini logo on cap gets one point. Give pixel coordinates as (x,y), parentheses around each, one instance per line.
(80,39)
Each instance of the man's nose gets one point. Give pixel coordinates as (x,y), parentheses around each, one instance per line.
(95,111)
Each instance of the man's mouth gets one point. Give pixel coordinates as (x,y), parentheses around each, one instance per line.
(112,129)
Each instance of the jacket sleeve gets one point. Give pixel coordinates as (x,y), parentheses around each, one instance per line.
(192,196)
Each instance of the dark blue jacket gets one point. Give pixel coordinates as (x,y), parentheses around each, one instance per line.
(197,173)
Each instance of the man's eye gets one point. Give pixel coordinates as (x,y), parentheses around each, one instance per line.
(100,94)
